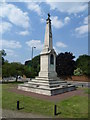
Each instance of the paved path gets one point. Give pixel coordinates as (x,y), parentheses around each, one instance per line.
(0,113)
(18,114)
(54,98)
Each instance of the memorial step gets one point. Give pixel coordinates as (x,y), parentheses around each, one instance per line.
(47,83)
(47,88)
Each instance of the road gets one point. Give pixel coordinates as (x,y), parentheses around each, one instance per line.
(80,84)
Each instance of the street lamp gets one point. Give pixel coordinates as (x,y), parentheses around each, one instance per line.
(32,51)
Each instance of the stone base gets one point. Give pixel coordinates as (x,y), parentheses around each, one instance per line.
(52,74)
(47,92)
(46,86)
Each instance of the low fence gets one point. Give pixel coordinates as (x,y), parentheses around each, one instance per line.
(76,78)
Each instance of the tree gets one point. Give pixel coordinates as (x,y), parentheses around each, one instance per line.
(65,64)
(6,70)
(2,55)
(17,69)
(33,66)
(27,72)
(83,62)
(12,69)
(30,69)
(2,52)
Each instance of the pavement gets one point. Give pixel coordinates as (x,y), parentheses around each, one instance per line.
(19,114)
(0,113)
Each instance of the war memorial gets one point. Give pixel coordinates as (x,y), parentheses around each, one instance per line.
(47,82)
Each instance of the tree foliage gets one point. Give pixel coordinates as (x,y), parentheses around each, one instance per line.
(2,55)
(78,72)
(30,69)
(65,64)
(2,52)
(83,62)
(33,66)
(12,69)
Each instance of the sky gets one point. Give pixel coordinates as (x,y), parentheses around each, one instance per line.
(22,26)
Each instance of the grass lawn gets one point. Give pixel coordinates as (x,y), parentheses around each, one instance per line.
(87,90)
(74,107)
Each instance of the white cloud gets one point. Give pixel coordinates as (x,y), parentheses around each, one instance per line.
(9,52)
(34,6)
(66,20)
(0,44)
(42,20)
(56,49)
(82,29)
(24,33)
(14,14)
(5,27)
(57,23)
(69,7)
(86,20)
(61,44)
(35,43)
(11,44)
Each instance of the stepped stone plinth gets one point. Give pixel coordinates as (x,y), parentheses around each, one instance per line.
(47,82)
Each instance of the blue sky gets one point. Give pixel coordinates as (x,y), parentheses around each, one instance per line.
(23,26)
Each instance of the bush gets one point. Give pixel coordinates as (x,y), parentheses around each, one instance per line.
(78,72)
